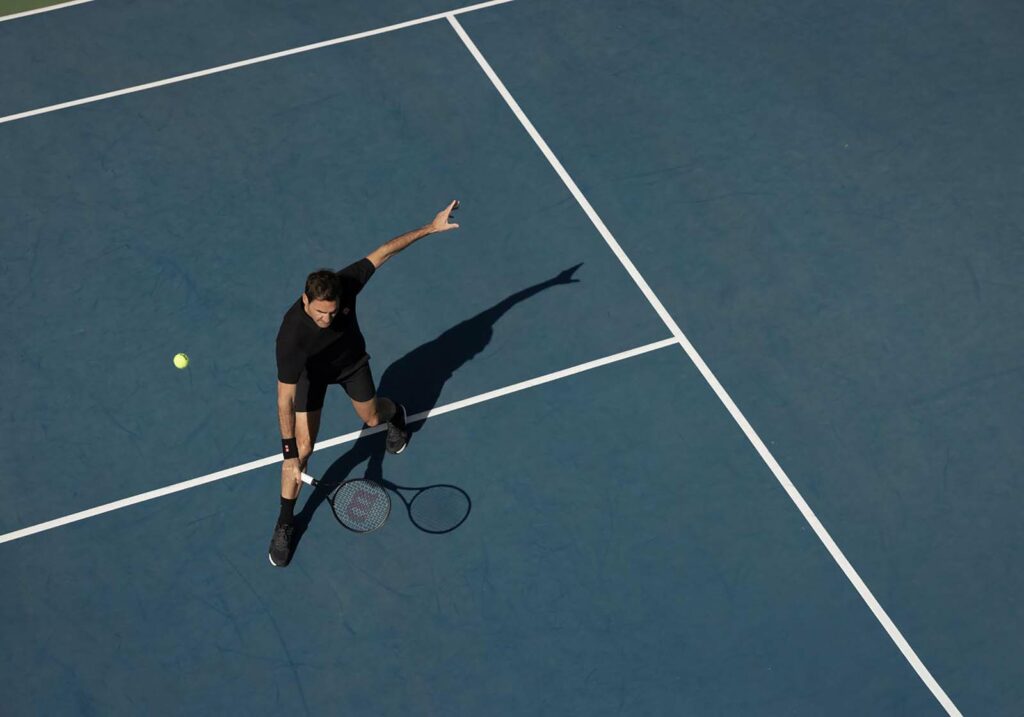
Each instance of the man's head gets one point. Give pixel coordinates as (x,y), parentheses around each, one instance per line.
(320,299)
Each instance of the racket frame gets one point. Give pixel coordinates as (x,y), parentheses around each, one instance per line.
(306,478)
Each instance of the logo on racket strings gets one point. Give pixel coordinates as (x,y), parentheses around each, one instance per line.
(362,503)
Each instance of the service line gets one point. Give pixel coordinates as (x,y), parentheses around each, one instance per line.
(338,440)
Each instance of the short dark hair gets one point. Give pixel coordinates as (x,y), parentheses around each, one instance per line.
(322,285)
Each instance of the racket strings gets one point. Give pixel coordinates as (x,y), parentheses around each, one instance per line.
(361,505)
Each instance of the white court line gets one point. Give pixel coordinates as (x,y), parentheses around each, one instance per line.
(723,396)
(250,61)
(26,13)
(346,438)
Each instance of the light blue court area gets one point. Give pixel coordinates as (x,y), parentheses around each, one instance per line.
(825,199)
(660,570)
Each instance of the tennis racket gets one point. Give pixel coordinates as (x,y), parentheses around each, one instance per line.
(360,505)
(363,505)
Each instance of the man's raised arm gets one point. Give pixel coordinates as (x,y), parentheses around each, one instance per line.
(389,249)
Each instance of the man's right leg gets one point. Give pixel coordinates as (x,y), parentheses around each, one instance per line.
(374,409)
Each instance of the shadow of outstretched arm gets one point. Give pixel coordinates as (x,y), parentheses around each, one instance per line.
(417,378)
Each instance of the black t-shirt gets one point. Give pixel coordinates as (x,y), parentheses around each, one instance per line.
(324,354)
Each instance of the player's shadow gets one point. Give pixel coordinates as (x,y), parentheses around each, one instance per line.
(416,380)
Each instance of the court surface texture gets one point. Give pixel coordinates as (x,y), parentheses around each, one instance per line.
(727,354)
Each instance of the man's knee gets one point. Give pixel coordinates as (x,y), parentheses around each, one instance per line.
(372,412)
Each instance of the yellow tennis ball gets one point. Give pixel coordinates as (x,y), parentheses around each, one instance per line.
(181,360)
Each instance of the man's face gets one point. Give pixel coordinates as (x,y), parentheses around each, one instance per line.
(322,312)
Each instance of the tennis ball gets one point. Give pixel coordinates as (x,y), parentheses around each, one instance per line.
(181,360)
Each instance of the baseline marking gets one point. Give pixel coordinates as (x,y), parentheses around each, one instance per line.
(338,440)
(748,430)
(26,13)
(250,61)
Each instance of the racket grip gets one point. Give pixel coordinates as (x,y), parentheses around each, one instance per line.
(306,478)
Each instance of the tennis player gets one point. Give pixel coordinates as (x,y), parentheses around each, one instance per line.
(319,343)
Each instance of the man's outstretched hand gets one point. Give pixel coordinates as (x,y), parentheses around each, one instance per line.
(441,222)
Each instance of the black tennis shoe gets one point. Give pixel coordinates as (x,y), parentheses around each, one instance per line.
(398,437)
(281,546)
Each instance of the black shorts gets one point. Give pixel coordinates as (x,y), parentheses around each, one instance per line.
(358,384)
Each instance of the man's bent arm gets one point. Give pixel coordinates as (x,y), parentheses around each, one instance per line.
(389,249)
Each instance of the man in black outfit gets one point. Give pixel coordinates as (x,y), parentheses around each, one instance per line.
(319,343)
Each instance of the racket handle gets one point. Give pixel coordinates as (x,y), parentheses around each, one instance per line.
(310,480)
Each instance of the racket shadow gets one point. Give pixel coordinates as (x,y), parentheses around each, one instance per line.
(435,509)
(416,380)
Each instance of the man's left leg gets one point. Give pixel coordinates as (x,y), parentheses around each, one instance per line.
(374,410)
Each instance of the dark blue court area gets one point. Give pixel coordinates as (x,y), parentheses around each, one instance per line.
(825,198)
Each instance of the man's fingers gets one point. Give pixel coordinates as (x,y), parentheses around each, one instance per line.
(442,220)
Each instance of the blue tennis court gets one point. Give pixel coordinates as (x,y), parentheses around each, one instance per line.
(726,354)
